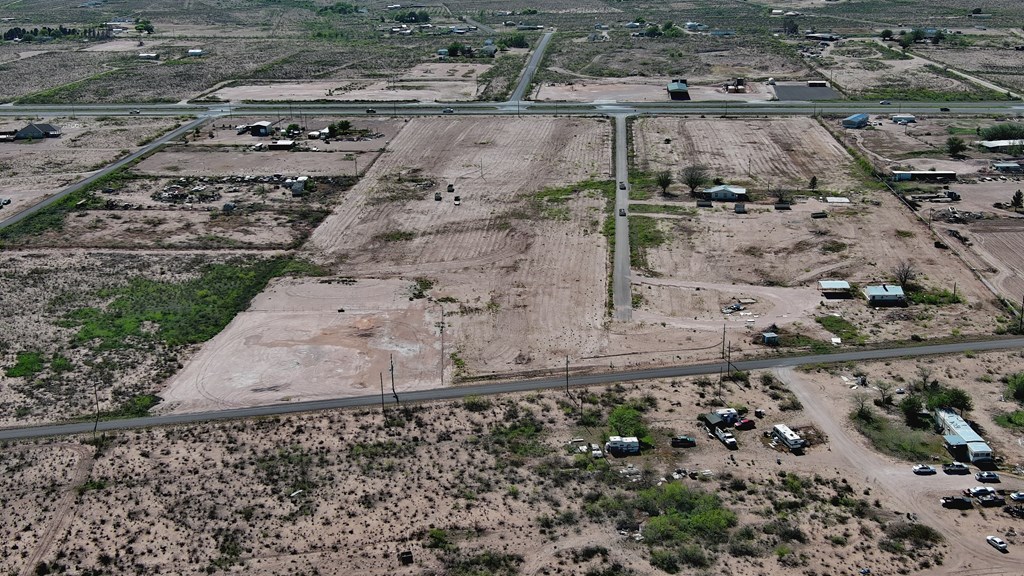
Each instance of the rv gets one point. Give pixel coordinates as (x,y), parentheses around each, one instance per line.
(791,439)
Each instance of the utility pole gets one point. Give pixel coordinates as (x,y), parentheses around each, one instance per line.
(96,423)
(383,411)
(393,391)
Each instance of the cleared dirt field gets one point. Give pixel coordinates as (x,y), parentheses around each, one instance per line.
(637,90)
(195,161)
(782,153)
(550,290)
(999,244)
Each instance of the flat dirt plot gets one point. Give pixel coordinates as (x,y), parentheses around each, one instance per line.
(48,71)
(125,45)
(302,340)
(780,152)
(637,90)
(206,161)
(1000,245)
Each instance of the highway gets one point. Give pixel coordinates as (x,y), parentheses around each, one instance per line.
(677,371)
(622,300)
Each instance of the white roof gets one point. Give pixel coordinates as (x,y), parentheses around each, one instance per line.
(837,200)
(1000,143)
(833,285)
(727,188)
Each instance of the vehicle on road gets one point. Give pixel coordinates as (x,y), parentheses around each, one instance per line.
(5,201)
(458,200)
(979,491)
(1017,496)
(622,211)
(923,469)
(135,111)
(622,185)
(943,109)
(371,111)
(884,102)
(987,477)
(448,111)
(955,468)
(996,543)
(684,442)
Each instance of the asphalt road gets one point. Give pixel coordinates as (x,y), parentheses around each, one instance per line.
(509,387)
(531,68)
(106,170)
(622,300)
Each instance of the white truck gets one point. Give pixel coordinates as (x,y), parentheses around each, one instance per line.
(727,438)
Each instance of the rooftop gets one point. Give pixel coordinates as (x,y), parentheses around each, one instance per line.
(833,285)
(884,290)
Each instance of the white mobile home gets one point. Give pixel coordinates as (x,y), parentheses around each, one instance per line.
(622,445)
(791,439)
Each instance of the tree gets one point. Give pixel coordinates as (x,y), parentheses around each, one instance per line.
(905,41)
(904,272)
(343,126)
(455,48)
(886,34)
(664,180)
(626,421)
(668,25)
(813,185)
(939,36)
(1015,386)
(1018,200)
(910,407)
(954,398)
(694,176)
(956,146)
(885,392)
(293,127)
(863,409)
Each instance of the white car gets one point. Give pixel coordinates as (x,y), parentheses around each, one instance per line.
(996,543)
(978,491)
(923,469)
(1017,496)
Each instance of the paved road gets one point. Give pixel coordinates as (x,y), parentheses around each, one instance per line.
(154,145)
(531,68)
(622,300)
(512,386)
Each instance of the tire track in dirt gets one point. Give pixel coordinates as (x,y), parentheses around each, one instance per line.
(62,509)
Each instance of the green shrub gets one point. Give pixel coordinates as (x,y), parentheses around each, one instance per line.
(26,365)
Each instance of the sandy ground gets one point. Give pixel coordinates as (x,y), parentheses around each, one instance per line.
(638,90)
(424,82)
(32,171)
(123,46)
(858,74)
(189,161)
(313,482)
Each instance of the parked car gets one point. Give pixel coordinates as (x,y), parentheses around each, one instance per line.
(622,185)
(458,200)
(371,111)
(956,502)
(684,442)
(987,477)
(745,424)
(955,468)
(622,211)
(923,469)
(448,111)
(996,543)
(1017,496)
(979,491)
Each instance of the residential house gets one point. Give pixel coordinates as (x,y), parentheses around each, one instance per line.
(726,193)
(885,295)
(37,132)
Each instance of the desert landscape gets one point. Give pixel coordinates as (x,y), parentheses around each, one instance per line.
(459,290)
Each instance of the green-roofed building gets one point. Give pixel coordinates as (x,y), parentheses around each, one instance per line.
(678,90)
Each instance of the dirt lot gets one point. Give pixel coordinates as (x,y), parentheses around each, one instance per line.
(314,487)
(31,170)
(756,153)
(637,90)
(424,82)
(195,161)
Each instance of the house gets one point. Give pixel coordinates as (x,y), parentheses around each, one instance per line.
(885,295)
(1000,145)
(678,89)
(726,192)
(282,144)
(856,121)
(923,175)
(37,132)
(834,288)
(617,445)
(261,128)
(1007,166)
(961,440)
(791,439)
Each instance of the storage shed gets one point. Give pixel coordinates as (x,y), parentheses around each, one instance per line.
(856,121)
(678,89)
(834,288)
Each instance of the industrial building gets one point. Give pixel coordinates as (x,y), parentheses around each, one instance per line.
(923,175)
(962,441)
(885,295)
(856,121)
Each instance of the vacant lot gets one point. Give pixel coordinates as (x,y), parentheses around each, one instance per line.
(586,89)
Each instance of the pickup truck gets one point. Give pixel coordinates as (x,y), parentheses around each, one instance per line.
(727,438)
